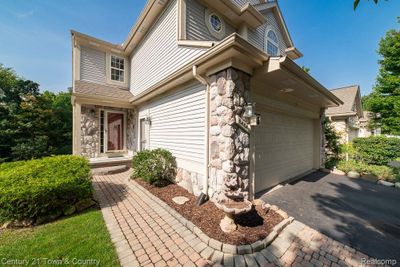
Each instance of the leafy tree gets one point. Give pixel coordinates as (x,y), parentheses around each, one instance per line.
(32,124)
(384,101)
(305,69)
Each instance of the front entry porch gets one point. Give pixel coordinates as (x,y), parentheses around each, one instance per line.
(106,132)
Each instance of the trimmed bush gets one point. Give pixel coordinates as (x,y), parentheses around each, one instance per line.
(351,165)
(377,150)
(382,172)
(154,166)
(42,187)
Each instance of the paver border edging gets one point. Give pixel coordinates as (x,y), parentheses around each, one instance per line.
(218,245)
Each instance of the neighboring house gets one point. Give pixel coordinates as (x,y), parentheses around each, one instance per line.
(182,80)
(346,118)
(365,127)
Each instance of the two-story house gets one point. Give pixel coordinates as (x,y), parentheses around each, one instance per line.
(189,78)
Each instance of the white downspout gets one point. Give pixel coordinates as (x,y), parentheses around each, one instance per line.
(207,128)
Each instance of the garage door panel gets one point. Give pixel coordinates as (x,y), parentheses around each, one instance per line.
(284,148)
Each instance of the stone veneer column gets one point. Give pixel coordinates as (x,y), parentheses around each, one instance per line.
(229,143)
(89,132)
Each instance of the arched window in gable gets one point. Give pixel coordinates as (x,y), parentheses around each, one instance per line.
(271,43)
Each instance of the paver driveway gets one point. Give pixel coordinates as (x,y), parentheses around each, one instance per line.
(361,214)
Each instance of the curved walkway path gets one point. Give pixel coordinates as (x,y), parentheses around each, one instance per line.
(146,234)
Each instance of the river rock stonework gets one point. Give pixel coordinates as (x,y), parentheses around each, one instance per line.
(191,181)
(130,130)
(229,143)
(89,132)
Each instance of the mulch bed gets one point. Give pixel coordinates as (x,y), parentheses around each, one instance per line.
(253,226)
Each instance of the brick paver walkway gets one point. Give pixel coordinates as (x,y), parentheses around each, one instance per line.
(146,234)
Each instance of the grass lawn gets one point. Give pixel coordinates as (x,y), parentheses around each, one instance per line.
(64,242)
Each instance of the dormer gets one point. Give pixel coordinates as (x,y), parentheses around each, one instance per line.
(206,22)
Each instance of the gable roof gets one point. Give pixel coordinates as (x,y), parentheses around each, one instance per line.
(274,7)
(350,95)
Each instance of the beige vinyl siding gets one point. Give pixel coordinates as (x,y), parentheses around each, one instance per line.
(177,124)
(159,55)
(93,65)
(257,36)
(284,148)
(196,28)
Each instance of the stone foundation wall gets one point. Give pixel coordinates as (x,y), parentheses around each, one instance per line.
(229,143)
(90,137)
(90,130)
(191,181)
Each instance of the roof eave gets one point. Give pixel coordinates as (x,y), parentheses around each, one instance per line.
(290,64)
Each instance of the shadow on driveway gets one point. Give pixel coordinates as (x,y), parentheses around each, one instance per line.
(358,213)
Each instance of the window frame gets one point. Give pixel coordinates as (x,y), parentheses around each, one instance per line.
(123,83)
(273,42)
(119,69)
(217,34)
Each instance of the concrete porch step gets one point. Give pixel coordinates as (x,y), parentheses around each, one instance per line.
(110,161)
(109,170)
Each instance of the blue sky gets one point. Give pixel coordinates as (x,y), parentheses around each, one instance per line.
(339,44)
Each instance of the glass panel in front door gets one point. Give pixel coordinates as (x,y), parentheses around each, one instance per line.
(115,136)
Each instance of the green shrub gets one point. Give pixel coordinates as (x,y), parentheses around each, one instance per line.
(351,165)
(42,187)
(331,146)
(382,172)
(154,166)
(377,150)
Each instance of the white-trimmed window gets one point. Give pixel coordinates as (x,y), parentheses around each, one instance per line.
(117,68)
(272,43)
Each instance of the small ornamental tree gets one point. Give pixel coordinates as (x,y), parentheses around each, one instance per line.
(332,146)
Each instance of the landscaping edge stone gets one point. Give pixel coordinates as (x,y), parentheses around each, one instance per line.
(218,245)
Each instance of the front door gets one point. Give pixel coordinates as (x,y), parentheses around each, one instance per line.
(115,131)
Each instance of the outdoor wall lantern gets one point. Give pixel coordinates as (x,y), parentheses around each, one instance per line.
(147,120)
(248,110)
(249,113)
(92,112)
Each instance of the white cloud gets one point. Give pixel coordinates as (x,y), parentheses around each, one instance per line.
(23,15)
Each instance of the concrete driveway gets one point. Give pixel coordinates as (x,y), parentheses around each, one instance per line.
(358,213)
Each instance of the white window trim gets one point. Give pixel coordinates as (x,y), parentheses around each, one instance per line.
(143,114)
(108,70)
(221,33)
(105,141)
(266,39)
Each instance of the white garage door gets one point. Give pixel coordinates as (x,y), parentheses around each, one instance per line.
(177,124)
(284,148)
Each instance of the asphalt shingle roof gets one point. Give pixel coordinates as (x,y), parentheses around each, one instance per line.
(94,89)
(348,96)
